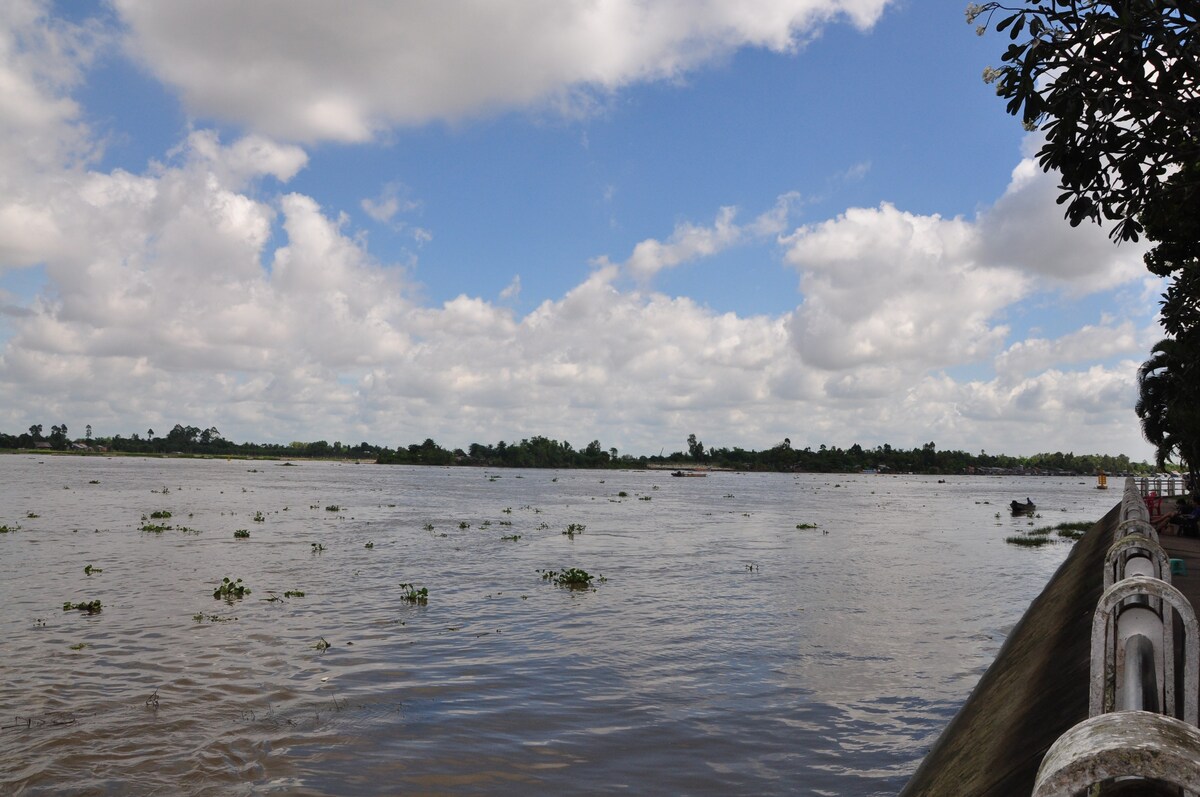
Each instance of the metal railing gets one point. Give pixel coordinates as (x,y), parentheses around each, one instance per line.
(1134,730)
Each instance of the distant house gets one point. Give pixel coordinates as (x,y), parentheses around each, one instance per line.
(41,444)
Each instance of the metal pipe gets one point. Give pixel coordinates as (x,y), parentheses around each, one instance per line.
(1141,681)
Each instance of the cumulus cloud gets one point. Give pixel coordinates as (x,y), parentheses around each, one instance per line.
(885,287)
(689,242)
(1025,230)
(183,294)
(306,73)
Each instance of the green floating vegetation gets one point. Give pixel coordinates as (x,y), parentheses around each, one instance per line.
(511,537)
(571,577)
(322,645)
(94,481)
(414,595)
(428,527)
(806,526)
(7,529)
(294,593)
(229,590)
(154,528)
(464,525)
(91,607)
(369,545)
(1028,541)
(241,534)
(317,547)
(79,646)
(161,514)
(212,618)
(32,515)
(622,494)
(88,570)
(573,529)
(333,508)
(259,517)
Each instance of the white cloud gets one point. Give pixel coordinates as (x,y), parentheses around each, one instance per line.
(1025,229)
(305,72)
(182,295)
(689,242)
(883,287)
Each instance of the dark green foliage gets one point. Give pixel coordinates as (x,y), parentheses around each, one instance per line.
(1113,87)
(241,534)
(91,607)
(231,589)
(413,595)
(571,577)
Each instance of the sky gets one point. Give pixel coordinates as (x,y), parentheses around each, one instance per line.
(620,220)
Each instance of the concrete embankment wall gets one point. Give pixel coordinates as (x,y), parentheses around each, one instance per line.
(1035,690)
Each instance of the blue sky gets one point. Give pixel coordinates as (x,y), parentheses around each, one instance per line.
(481,221)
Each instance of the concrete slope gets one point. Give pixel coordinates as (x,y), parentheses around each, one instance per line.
(1036,689)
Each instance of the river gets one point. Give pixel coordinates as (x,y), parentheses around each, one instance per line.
(726,651)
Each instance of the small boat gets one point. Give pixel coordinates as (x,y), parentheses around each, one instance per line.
(1026,508)
(687,473)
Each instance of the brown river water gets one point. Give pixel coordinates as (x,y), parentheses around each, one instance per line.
(727,651)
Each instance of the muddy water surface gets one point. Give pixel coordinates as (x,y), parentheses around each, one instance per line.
(728,652)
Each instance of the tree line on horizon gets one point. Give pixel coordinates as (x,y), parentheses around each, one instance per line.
(544,452)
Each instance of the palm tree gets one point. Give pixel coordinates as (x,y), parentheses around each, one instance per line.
(1169,403)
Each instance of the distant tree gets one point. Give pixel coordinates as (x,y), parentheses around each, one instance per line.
(695,448)
(35,431)
(88,433)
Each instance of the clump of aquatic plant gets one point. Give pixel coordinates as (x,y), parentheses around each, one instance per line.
(1072,531)
(1041,531)
(428,527)
(622,494)
(573,529)
(322,645)
(241,534)
(7,529)
(1028,541)
(32,515)
(161,514)
(259,517)
(317,547)
(803,526)
(464,525)
(231,589)
(88,570)
(333,508)
(94,481)
(91,607)
(79,646)
(212,618)
(542,526)
(505,522)
(511,537)
(414,595)
(154,528)
(294,593)
(571,577)
(507,510)
(369,545)
(646,497)
(485,524)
